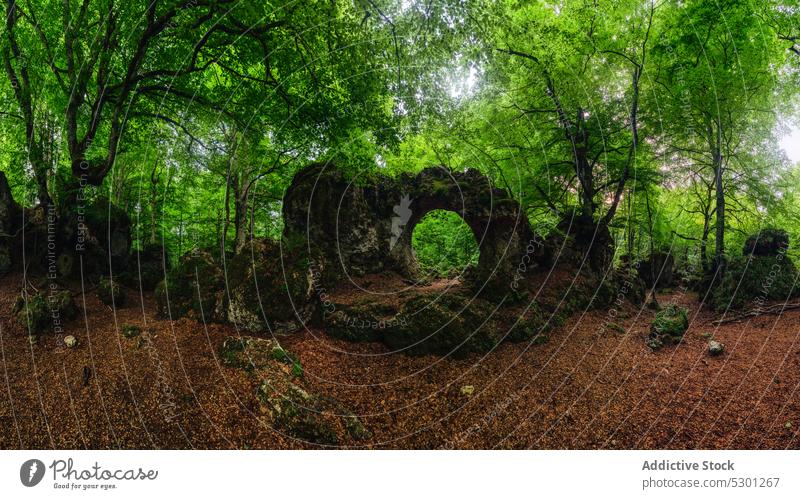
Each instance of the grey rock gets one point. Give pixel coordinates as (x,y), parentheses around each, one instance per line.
(715,348)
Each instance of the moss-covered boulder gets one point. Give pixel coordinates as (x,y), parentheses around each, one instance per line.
(658,270)
(147,267)
(750,282)
(766,242)
(531,327)
(99,232)
(5,258)
(287,403)
(249,353)
(45,311)
(668,326)
(110,292)
(362,321)
(9,222)
(447,324)
(269,286)
(195,288)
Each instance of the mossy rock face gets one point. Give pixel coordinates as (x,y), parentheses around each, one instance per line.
(360,322)
(766,242)
(45,311)
(111,293)
(309,417)
(658,270)
(101,234)
(195,288)
(753,281)
(447,324)
(9,216)
(531,328)
(631,286)
(269,286)
(285,400)
(257,353)
(578,239)
(356,225)
(146,267)
(668,326)
(5,259)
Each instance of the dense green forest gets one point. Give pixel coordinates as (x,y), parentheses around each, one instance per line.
(400,223)
(660,119)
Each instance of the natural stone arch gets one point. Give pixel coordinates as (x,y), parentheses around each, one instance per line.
(352,227)
(493,216)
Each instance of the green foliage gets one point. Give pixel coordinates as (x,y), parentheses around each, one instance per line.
(281,355)
(197,136)
(444,243)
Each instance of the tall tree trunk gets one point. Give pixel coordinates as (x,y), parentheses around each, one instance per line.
(704,244)
(583,168)
(652,248)
(631,227)
(719,246)
(227,221)
(153,202)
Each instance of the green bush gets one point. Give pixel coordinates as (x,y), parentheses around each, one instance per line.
(444,243)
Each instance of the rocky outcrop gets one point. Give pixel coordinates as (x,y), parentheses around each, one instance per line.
(9,223)
(111,293)
(146,267)
(45,311)
(351,227)
(195,288)
(269,288)
(766,273)
(99,233)
(766,242)
(456,321)
(286,402)
(658,270)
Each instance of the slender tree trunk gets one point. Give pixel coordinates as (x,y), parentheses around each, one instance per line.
(631,227)
(704,245)
(153,202)
(652,260)
(719,247)
(583,167)
(227,220)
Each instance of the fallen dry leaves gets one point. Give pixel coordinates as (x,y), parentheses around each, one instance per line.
(582,389)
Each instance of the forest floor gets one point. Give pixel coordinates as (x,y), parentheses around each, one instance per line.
(582,389)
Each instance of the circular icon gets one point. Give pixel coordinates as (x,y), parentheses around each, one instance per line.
(31,472)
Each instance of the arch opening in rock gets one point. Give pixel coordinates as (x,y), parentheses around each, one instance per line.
(444,245)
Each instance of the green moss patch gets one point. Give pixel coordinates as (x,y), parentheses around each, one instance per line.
(668,326)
